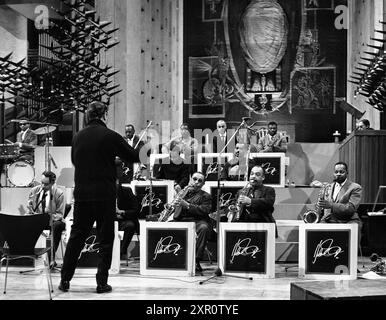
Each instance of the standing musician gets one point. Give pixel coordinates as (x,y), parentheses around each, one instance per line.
(272,141)
(343,201)
(195,206)
(26,140)
(255,201)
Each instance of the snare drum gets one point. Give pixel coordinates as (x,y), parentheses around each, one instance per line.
(8,151)
(21,174)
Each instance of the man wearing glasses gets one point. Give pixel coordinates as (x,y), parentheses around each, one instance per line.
(26,140)
(196,206)
(220,136)
(47,198)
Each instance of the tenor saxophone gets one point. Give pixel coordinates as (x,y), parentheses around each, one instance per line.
(314,216)
(170,208)
(234,210)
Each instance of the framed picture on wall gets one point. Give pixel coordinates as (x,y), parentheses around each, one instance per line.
(207,163)
(318,4)
(162,193)
(328,251)
(247,249)
(167,248)
(274,167)
(212,10)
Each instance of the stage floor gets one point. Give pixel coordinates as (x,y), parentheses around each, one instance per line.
(130,285)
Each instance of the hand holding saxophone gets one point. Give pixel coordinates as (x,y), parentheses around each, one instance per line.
(243,199)
(324,204)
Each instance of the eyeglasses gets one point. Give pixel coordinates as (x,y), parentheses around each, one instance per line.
(22,124)
(197,179)
(220,126)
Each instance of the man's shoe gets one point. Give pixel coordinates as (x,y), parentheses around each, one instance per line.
(64,285)
(198,267)
(104,288)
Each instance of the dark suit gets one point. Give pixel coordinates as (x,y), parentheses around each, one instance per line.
(218,143)
(28,145)
(200,205)
(93,154)
(261,207)
(128,221)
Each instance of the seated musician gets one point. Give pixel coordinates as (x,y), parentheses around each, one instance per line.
(340,203)
(195,206)
(26,140)
(255,200)
(127,212)
(173,168)
(236,168)
(272,141)
(48,198)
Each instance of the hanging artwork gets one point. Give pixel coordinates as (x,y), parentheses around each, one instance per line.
(313,88)
(212,10)
(318,4)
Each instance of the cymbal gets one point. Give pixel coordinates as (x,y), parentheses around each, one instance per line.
(43,130)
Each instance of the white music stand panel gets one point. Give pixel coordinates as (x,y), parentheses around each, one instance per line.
(247,249)
(167,248)
(271,170)
(328,251)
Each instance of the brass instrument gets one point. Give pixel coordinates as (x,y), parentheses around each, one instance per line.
(173,208)
(314,216)
(271,143)
(234,210)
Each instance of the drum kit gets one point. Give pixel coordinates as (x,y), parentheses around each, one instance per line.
(21,173)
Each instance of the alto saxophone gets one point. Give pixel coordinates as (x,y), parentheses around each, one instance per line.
(234,210)
(314,216)
(170,208)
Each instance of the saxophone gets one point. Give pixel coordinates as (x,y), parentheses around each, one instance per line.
(234,210)
(314,216)
(171,209)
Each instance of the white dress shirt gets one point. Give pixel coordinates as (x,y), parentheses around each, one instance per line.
(337,187)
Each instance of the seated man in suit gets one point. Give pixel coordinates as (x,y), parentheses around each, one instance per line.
(127,212)
(341,204)
(48,198)
(173,168)
(272,141)
(255,201)
(236,168)
(26,140)
(364,124)
(195,206)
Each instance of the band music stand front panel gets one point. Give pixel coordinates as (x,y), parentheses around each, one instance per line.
(328,251)
(274,167)
(247,249)
(228,191)
(167,248)
(162,193)
(207,163)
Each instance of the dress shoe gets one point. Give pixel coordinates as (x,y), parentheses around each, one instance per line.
(64,285)
(198,267)
(103,288)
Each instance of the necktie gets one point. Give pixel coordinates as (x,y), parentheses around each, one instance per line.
(44,201)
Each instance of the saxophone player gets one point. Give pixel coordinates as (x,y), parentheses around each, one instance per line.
(272,141)
(256,204)
(342,203)
(195,206)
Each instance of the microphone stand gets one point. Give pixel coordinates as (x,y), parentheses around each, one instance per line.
(218,272)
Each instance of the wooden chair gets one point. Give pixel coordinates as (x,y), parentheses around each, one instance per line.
(20,234)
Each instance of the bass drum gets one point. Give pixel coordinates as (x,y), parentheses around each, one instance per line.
(21,174)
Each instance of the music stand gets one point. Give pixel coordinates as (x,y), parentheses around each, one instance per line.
(218,272)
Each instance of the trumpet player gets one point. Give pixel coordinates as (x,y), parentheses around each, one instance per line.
(272,141)
(341,204)
(256,203)
(195,206)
